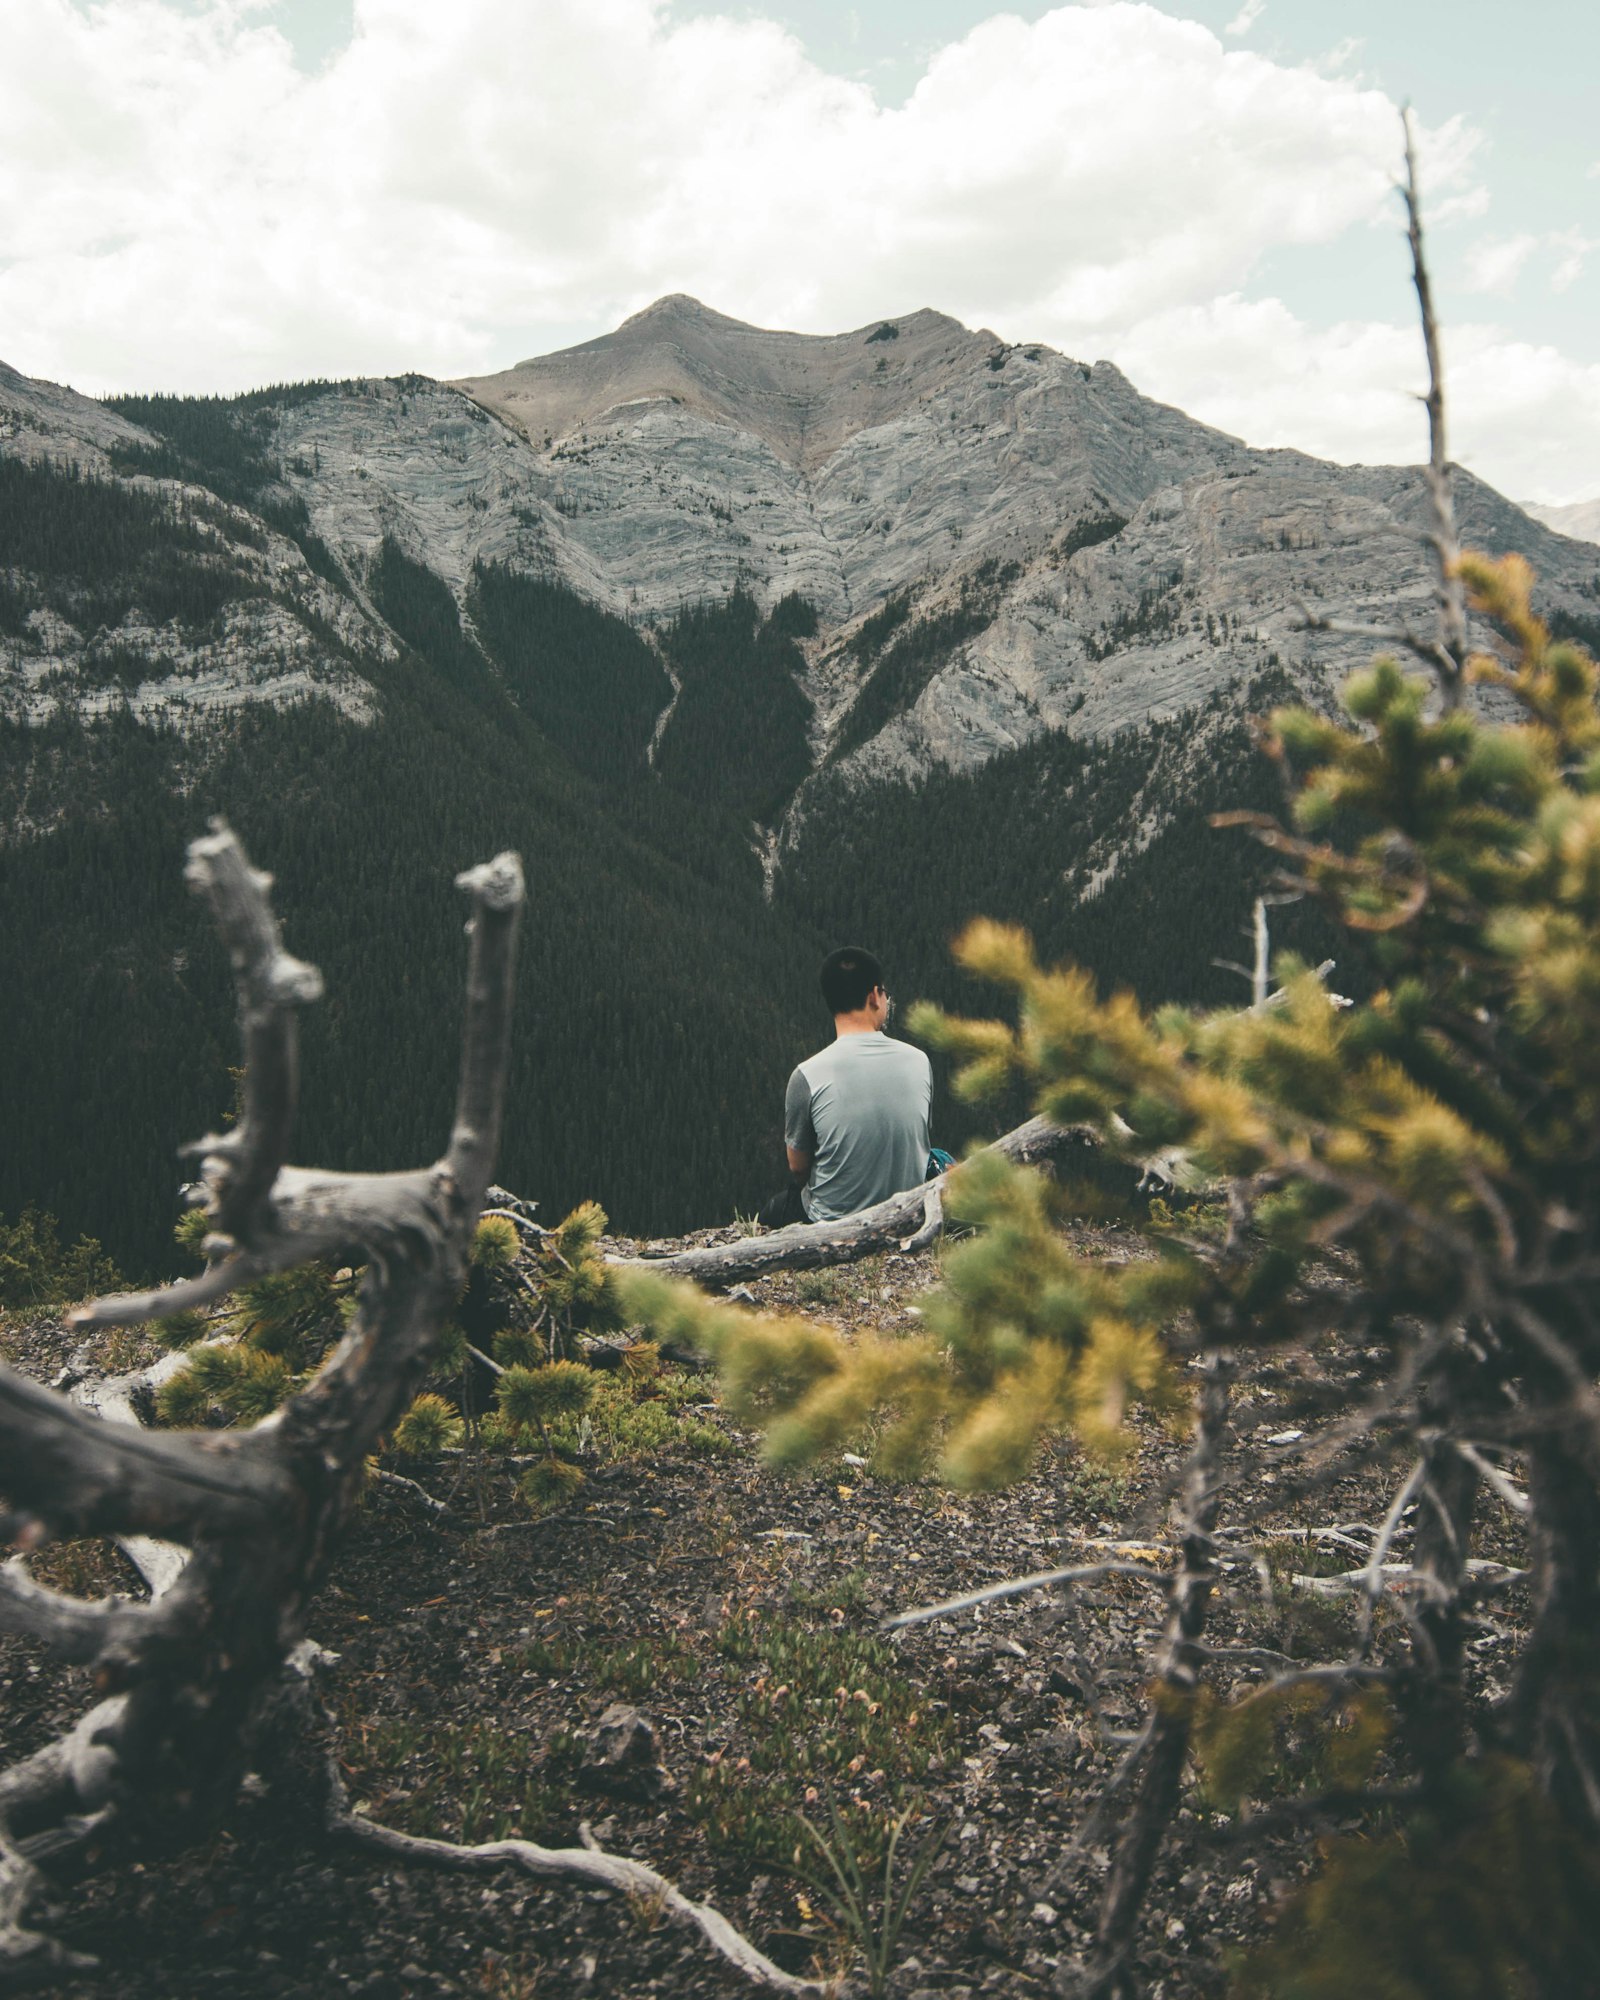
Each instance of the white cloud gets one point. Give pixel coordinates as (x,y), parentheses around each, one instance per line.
(1340,58)
(181,204)
(1246,18)
(1495,265)
(1575,249)
(461,186)
(1522,416)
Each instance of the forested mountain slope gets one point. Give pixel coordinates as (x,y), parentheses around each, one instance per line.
(811,640)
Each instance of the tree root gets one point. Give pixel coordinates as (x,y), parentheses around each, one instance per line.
(588,1863)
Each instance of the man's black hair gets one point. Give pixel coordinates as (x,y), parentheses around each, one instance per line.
(848,976)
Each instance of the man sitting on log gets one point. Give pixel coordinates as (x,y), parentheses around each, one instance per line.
(855,1115)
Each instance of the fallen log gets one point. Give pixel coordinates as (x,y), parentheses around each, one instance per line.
(907,1221)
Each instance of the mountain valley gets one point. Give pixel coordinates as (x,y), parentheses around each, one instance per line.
(748,640)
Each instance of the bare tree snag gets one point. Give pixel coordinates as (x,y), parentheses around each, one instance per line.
(1446,651)
(187,1676)
(908,1221)
(1452,596)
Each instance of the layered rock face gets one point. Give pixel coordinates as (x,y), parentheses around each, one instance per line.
(1048,546)
(172,604)
(686,455)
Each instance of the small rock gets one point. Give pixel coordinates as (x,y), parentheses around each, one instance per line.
(1044,1914)
(625,1754)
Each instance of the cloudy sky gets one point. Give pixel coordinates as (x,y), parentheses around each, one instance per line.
(214,194)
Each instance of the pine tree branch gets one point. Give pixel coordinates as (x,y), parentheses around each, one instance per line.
(71,1627)
(1481,1573)
(239,1167)
(1337,1803)
(1159,1756)
(1374,1574)
(1491,1475)
(1431,651)
(496,889)
(396,1482)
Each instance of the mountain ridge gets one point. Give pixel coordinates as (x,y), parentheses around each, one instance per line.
(1084,555)
(724,704)
(1580,519)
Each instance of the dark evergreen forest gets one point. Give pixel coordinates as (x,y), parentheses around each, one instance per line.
(738,730)
(1026,839)
(663,999)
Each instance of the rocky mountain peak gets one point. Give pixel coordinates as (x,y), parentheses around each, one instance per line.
(672,306)
(46,420)
(804,395)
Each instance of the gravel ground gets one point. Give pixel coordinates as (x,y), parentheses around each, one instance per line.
(475,1658)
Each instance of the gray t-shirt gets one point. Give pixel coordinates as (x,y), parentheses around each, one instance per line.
(860,1109)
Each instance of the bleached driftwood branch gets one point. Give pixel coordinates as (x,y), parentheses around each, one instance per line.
(188,1675)
(908,1221)
(1018,1586)
(589,1864)
(1479,1570)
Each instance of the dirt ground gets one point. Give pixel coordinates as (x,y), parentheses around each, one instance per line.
(738,1610)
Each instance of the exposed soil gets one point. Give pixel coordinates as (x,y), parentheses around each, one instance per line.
(475,1657)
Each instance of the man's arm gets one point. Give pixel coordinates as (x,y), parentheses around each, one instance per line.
(800,1140)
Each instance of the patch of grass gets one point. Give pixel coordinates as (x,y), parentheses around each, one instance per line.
(840,1284)
(118,1350)
(634,1670)
(502,1978)
(822,1288)
(628,1420)
(1305,1623)
(871,1916)
(818,1711)
(1096,1492)
(466,1781)
(846,1593)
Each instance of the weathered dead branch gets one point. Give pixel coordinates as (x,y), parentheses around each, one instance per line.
(589,1864)
(1019,1586)
(188,1675)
